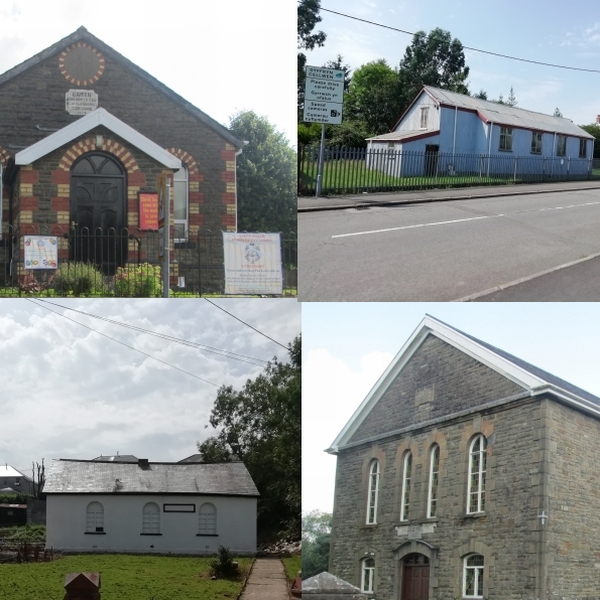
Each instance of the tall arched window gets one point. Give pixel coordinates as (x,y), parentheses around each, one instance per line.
(434,476)
(151,518)
(207,519)
(406,479)
(373,493)
(94,518)
(367,579)
(180,211)
(473,576)
(477,460)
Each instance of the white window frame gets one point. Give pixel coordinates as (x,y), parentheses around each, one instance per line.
(561,145)
(181,178)
(434,480)
(151,518)
(536,142)
(506,135)
(373,492)
(367,579)
(207,519)
(477,475)
(424,117)
(477,572)
(94,518)
(406,478)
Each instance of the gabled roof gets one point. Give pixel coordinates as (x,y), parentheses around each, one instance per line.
(8,471)
(326,583)
(533,380)
(82,34)
(98,117)
(98,477)
(501,114)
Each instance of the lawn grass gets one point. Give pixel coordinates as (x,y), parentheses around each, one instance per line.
(124,577)
(292,565)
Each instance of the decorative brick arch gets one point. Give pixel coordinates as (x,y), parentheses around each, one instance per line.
(4,156)
(89,145)
(188,160)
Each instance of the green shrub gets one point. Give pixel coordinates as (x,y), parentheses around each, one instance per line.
(224,566)
(79,279)
(138,281)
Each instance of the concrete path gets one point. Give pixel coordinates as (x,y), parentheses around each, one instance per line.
(267,581)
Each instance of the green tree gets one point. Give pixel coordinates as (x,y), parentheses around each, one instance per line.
(373,97)
(512,99)
(593,129)
(260,426)
(266,176)
(339,65)
(316,538)
(435,59)
(481,95)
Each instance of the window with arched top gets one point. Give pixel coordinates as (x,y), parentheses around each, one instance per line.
(94,518)
(151,518)
(180,204)
(373,493)
(207,519)
(477,473)
(367,580)
(473,566)
(434,476)
(406,479)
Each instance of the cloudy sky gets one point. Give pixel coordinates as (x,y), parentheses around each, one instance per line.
(69,392)
(221,56)
(538,30)
(347,347)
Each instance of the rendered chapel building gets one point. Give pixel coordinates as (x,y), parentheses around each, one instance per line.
(84,134)
(468,473)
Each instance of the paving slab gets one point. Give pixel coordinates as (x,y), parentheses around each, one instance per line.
(267,581)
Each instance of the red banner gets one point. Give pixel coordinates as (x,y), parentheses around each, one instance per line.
(148,211)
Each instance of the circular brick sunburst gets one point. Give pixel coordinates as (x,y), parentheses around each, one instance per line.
(81,64)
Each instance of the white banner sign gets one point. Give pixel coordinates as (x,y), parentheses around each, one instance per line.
(41,252)
(323,95)
(253,263)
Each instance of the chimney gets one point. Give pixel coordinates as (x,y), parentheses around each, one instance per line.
(598,120)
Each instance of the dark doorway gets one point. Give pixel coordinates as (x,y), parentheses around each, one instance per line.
(415,577)
(98,214)
(431,159)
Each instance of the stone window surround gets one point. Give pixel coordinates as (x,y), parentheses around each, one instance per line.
(374,453)
(478,574)
(480,488)
(367,575)
(434,457)
(406,480)
(373,492)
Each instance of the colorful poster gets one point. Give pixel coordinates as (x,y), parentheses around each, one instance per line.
(253,263)
(41,252)
(148,212)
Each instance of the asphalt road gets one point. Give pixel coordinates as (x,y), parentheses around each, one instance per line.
(535,247)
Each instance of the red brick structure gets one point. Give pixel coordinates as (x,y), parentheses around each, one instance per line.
(84,131)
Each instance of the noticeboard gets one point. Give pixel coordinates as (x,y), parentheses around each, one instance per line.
(148,206)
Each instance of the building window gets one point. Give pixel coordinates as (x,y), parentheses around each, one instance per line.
(180,213)
(424,116)
(561,145)
(434,475)
(207,519)
(368,576)
(473,576)
(17,481)
(582,148)
(536,142)
(373,493)
(505,139)
(477,459)
(95,518)
(151,518)
(406,487)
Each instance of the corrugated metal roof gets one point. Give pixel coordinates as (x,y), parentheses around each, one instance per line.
(82,476)
(501,114)
(396,136)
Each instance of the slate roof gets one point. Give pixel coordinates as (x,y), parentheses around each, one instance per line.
(8,471)
(117,458)
(82,34)
(98,477)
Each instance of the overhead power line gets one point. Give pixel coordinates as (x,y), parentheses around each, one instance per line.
(498,54)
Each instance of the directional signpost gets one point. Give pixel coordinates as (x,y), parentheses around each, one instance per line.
(323,100)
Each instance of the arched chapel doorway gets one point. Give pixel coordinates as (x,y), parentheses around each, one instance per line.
(98,215)
(415,577)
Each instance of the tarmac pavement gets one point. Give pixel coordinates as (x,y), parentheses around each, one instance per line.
(267,581)
(310,203)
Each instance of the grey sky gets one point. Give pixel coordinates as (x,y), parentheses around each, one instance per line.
(68,392)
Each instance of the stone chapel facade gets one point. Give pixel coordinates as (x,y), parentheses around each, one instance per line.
(468,473)
(84,132)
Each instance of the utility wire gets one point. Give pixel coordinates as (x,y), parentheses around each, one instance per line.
(126,345)
(226,353)
(526,60)
(244,322)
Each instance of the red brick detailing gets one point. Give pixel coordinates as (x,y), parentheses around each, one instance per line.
(228,198)
(196,197)
(188,160)
(137,178)
(196,219)
(89,145)
(60,203)
(227,176)
(26,203)
(228,154)
(228,220)
(29,176)
(4,156)
(60,176)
